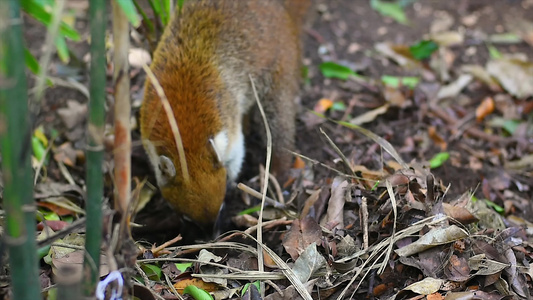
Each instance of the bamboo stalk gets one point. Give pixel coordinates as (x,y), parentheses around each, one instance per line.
(125,251)
(95,147)
(122,150)
(15,133)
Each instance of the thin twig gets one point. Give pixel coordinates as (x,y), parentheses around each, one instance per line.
(171,120)
(260,262)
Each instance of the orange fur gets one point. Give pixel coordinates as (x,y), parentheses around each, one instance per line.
(203,62)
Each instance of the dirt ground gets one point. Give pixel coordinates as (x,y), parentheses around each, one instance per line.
(485,160)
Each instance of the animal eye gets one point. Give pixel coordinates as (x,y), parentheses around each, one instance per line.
(166,166)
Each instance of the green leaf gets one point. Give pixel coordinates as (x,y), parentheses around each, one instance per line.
(129,10)
(39,150)
(494,53)
(33,65)
(247,286)
(62,49)
(146,20)
(495,206)
(43,251)
(167,12)
(338,106)
(152,271)
(333,70)
(31,62)
(396,82)
(250,210)
(183,266)
(38,12)
(505,38)
(510,126)
(180,3)
(423,49)
(51,216)
(390,9)
(439,159)
(197,293)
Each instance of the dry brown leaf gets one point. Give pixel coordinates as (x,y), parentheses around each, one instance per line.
(323,105)
(199,283)
(484,109)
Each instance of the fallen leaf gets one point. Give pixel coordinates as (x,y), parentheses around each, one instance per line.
(437,138)
(308,263)
(426,286)
(74,114)
(434,237)
(370,115)
(516,76)
(186,281)
(323,105)
(448,38)
(453,89)
(484,109)
(302,234)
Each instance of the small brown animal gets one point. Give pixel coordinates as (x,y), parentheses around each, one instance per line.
(204,62)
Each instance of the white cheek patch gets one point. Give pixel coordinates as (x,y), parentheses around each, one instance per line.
(231,153)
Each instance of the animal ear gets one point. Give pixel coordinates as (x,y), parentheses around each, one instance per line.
(167,168)
(217,161)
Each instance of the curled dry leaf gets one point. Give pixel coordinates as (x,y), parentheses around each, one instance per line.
(437,138)
(459,214)
(302,234)
(448,38)
(481,74)
(434,237)
(308,263)
(400,54)
(484,109)
(453,89)
(336,202)
(515,75)
(323,105)
(426,286)
(74,114)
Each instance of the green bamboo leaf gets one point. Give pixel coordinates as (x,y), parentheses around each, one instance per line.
(334,70)
(38,12)
(152,271)
(129,10)
(156,6)
(146,20)
(390,9)
(396,82)
(197,293)
(494,53)
(495,206)
(247,286)
(31,62)
(423,49)
(51,216)
(180,3)
(62,49)
(33,65)
(183,266)
(439,159)
(39,150)
(167,11)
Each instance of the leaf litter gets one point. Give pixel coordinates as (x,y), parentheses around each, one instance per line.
(368,213)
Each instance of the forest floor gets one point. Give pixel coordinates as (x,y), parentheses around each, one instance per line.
(437,203)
